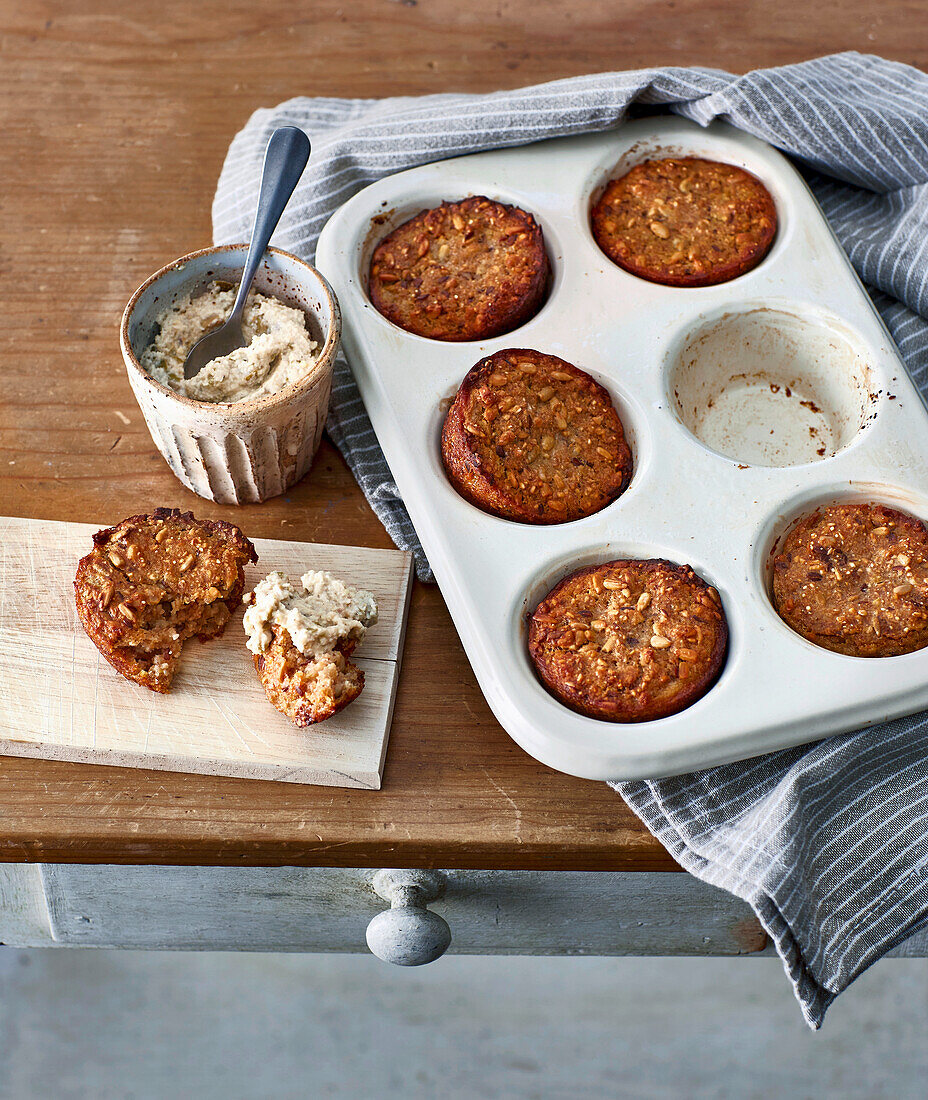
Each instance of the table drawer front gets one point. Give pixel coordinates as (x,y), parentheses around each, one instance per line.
(322,909)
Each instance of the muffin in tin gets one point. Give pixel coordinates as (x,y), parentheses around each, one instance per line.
(532,438)
(853,578)
(629,640)
(465,270)
(685,221)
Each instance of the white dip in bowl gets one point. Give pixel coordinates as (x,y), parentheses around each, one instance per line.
(278,350)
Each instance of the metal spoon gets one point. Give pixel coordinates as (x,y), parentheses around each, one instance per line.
(284,160)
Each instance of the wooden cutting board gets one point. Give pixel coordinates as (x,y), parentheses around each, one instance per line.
(61,700)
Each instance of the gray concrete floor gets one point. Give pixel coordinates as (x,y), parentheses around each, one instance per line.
(107,1025)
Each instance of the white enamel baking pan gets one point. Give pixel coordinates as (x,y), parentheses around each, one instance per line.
(745,404)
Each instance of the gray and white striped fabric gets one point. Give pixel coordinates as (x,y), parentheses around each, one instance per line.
(829,842)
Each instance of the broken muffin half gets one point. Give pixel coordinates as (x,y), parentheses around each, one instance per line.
(153,581)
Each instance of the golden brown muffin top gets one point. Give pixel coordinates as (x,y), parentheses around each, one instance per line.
(464,270)
(531,437)
(629,641)
(684,221)
(853,578)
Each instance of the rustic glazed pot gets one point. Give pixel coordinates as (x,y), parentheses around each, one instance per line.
(243,451)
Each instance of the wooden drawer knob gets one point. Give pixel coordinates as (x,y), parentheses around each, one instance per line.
(407,934)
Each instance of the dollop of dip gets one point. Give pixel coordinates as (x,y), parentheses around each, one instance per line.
(279,350)
(324,612)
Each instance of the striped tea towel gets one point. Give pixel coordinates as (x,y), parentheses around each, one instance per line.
(827,842)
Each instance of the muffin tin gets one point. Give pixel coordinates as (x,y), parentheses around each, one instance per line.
(745,404)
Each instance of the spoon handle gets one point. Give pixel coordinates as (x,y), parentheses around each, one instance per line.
(284,160)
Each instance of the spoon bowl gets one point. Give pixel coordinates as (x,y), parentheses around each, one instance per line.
(213,345)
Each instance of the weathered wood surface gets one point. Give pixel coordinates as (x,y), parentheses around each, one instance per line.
(328,909)
(116,118)
(60,700)
(24,917)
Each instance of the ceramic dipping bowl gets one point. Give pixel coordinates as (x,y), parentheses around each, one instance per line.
(243,451)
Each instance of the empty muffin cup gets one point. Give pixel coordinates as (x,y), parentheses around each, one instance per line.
(770,387)
(241,451)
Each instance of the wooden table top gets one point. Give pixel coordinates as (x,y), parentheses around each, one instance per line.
(116,117)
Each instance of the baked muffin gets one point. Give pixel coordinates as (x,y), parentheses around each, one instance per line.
(534,439)
(153,581)
(684,221)
(629,641)
(308,688)
(301,636)
(464,270)
(853,578)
